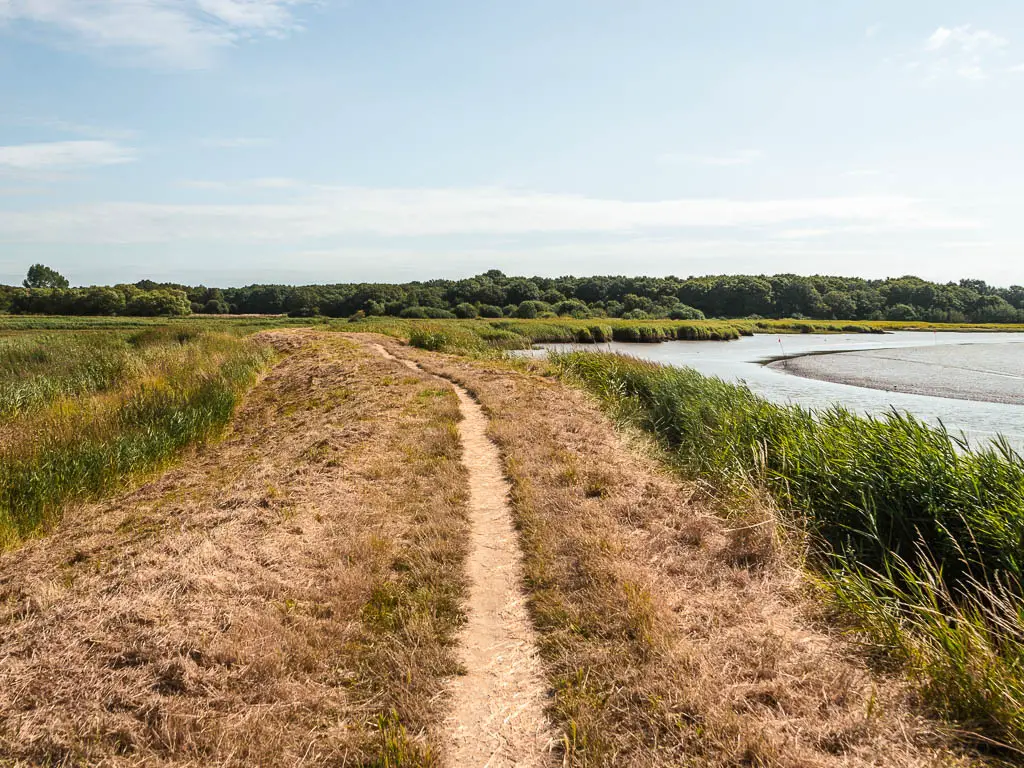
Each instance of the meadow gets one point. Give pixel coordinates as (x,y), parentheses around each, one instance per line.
(915,538)
(912,539)
(82,412)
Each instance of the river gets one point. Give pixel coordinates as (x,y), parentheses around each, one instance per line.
(745,360)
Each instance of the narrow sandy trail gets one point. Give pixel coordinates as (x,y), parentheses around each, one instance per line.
(497,716)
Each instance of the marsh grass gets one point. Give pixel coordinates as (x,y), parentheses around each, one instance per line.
(920,536)
(483,338)
(84,412)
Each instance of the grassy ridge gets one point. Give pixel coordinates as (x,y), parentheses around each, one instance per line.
(76,424)
(919,537)
(483,336)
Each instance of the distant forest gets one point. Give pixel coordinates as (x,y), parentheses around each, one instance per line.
(493,294)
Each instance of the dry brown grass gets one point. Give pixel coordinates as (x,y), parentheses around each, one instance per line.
(288,596)
(670,635)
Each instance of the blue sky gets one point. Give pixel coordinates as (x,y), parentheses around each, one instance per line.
(236,141)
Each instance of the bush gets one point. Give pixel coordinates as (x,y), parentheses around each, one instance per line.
(466,311)
(490,310)
(438,314)
(158,303)
(901,312)
(685,312)
(571,308)
(413,312)
(528,310)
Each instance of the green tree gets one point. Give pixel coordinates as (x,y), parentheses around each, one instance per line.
(841,306)
(41,276)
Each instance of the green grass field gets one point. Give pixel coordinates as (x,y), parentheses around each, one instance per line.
(81,412)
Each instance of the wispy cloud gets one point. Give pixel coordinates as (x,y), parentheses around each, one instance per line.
(63,155)
(324,213)
(237,142)
(873,30)
(965,38)
(68,127)
(964,51)
(739,157)
(179,33)
(272,182)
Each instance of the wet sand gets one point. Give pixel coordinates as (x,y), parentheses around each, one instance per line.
(989,373)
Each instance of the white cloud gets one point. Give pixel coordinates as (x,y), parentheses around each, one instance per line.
(335,212)
(739,157)
(63,155)
(181,33)
(872,30)
(965,38)
(963,51)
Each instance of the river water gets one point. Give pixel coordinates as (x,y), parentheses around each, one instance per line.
(745,360)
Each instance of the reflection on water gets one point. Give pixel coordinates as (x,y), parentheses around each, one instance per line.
(743,361)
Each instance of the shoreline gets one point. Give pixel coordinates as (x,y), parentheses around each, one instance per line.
(959,372)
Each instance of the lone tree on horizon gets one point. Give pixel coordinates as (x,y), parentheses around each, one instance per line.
(41,276)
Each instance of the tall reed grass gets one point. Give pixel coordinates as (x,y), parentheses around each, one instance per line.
(920,536)
(92,425)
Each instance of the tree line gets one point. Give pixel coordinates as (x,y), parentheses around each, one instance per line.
(494,294)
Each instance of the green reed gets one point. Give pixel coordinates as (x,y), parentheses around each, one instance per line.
(169,393)
(920,535)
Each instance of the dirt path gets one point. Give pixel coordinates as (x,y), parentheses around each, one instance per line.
(497,714)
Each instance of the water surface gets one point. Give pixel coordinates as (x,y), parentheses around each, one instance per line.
(745,360)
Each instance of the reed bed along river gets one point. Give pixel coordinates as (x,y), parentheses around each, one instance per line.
(955,358)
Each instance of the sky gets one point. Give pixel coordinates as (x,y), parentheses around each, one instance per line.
(228,142)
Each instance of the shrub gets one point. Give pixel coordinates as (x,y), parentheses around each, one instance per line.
(438,314)
(685,312)
(528,310)
(901,312)
(466,311)
(490,310)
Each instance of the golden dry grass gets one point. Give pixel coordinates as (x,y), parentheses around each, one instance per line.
(292,595)
(289,596)
(670,636)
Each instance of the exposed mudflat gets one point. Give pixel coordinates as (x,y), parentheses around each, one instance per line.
(983,372)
